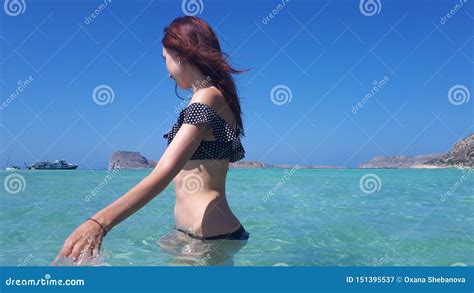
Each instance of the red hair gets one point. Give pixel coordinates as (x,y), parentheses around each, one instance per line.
(194,41)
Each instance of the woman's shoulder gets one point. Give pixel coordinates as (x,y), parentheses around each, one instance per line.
(210,96)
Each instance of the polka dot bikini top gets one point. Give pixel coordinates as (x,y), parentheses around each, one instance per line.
(226,144)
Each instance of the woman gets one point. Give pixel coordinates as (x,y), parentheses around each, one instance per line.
(201,144)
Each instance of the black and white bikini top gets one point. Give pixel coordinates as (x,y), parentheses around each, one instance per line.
(226,144)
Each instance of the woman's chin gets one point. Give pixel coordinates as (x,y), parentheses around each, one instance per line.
(184,87)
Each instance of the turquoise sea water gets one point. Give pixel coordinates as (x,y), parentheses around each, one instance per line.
(295,217)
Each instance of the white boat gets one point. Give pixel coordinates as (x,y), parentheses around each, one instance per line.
(54,165)
(11,167)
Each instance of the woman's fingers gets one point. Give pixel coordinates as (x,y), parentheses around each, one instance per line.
(65,251)
(67,248)
(85,250)
(82,244)
(55,261)
(76,251)
(96,251)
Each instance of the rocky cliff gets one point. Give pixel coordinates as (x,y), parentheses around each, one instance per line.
(460,155)
(398,161)
(134,160)
(129,160)
(286,166)
(247,164)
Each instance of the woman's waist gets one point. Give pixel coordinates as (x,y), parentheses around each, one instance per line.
(199,205)
(205,217)
(192,184)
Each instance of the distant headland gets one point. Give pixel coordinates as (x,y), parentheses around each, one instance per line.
(134,160)
(461,155)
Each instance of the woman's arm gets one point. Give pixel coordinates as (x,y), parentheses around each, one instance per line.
(87,238)
(180,150)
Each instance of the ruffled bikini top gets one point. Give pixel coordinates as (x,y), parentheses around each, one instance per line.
(226,144)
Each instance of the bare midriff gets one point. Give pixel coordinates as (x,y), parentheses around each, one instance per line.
(201,205)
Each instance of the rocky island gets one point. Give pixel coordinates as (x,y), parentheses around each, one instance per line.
(129,160)
(461,155)
(134,160)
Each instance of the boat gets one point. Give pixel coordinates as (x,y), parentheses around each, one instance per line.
(11,167)
(54,165)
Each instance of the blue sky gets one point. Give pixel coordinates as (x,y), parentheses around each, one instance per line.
(327,53)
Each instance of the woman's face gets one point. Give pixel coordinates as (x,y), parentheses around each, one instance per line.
(175,68)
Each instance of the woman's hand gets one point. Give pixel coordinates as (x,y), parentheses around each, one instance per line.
(83,243)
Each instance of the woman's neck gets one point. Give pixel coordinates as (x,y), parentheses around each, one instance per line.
(200,81)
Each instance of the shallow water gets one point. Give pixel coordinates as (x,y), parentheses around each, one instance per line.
(294,217)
